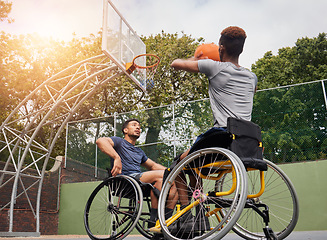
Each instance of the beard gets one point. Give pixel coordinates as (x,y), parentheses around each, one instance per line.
(134,136)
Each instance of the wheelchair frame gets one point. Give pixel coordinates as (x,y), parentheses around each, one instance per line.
(227,195)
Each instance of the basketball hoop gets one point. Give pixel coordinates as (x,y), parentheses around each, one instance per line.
(145,66)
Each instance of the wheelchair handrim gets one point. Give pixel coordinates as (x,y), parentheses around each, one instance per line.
(240,173)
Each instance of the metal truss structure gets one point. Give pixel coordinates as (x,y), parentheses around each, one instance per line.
(45,112)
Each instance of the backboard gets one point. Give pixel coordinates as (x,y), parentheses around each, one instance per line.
(120,42)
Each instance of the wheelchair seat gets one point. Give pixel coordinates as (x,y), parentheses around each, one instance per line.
(216,138)
(146,189)
(242,137)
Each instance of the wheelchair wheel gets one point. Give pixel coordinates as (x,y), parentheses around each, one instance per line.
(113,208)
(279,196)
(143,222)
(200,171)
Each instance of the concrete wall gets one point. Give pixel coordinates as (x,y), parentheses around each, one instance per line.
(72,203)
(309,179)
(310,182)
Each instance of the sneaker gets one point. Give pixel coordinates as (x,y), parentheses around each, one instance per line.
(189,223)
(151,224)
(203,224)
(186,223)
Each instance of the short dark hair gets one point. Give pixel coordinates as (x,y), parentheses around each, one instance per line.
(127,122)
(233,38)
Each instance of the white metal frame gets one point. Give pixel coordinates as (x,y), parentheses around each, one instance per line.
(63,94)
(60,96)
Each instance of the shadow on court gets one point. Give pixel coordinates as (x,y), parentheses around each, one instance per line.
(309,235)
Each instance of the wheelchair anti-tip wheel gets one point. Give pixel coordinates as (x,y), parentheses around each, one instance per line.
(281,199)
(113,209)
(198,173)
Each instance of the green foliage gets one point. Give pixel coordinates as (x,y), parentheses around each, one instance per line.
(28,60)
(5,9)
(173,86)
(293,119)
(305,62)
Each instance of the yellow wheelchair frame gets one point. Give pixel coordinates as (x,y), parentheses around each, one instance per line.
(228,169)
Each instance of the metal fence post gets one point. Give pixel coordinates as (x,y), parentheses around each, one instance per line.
(174,134)
(324,92)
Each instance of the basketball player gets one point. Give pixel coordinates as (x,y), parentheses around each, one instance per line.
(127,160)
(231,86)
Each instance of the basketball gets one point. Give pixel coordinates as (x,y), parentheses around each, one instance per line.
(209,50)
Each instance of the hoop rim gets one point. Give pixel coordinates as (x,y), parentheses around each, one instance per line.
(145,67)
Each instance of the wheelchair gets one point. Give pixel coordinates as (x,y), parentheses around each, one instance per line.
(228,184)
(115,208)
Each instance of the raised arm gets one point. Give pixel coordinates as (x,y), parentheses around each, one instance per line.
(106,144)
(189,65)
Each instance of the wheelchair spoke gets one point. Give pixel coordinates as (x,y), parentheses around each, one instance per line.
(279,196)
(113,208)
(199,174)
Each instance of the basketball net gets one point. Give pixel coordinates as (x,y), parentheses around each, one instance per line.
(145,66)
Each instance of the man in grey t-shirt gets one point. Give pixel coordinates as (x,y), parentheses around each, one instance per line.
(231,90)
(231,87)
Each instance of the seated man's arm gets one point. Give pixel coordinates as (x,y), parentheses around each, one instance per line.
(151,165)
(106,145)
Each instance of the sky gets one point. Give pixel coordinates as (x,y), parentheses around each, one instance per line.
(269,24)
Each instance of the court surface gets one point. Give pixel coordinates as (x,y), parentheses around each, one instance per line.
(309,235)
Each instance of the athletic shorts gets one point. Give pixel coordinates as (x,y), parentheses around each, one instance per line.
(137,176)
(214,129)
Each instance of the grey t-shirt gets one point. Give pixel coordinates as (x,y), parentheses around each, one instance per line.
(231,90)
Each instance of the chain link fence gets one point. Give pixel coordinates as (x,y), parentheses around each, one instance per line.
(293,120)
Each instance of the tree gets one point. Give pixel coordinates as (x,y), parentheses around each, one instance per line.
(293,119)
(5,9)
(170,86)
(305,62)
(174,86)
(27,61)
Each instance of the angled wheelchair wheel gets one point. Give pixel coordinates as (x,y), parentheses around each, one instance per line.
(198,173)
(281,199)
(143,223)
(113,208)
